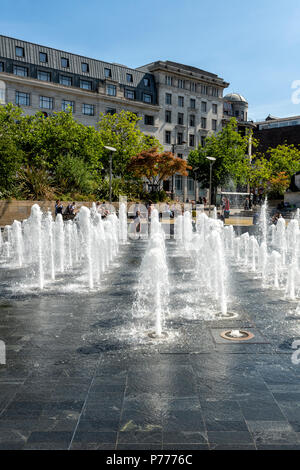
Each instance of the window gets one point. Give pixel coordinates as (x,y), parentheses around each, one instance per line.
(181,101)
(85,84)
(202,141)
(203,106)
(242,115)
(215,109)
(169,80)
(129,78)
(64,62)
(180,119)
(192,103)
(180,155)
(19,51)
(20,71)
(43,57)
(146,82)
(111,90)
(147,98)
(214,124)
(167,137)
(179,138)
(88,109)
(203,123)
(2,92)
(84,67)
(168,116)
(192,120)
(191,140)
(190,185)
(129,94)
(1,66)
(44,76)
(204,89)
(149,120)
(107,72)
(66,104)
(65,80)
(193,86)
(168,98)
(215,92)
(236,113)
(110,111)
(22,99)
(180,83)
(178,182)
(46,102)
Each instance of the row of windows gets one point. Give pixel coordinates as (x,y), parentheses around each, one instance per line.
(65,63)
(46,102)
(192,86)
(179,185)
(180,138)
(111,90)
(46,77)
(23,99)
(192,119)
(180,103)
(66,80)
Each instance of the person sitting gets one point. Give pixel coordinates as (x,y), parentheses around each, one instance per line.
(70,209)
(58,207)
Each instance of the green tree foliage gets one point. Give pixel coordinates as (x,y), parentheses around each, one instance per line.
(121,131)
(229,148)
(10,153)
(273,171)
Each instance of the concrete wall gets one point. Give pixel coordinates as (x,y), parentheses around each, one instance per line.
(20,210)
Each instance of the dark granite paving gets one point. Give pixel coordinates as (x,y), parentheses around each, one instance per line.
(78,378)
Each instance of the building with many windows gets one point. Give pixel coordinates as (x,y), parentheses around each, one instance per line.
(179,104)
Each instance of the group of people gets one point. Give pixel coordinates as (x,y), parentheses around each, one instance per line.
(71,210)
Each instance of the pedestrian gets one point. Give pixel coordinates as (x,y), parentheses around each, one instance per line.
(58,207)
(137,223)
(246,204)
(226,208)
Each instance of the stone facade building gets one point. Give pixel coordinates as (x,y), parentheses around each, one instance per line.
(180,105)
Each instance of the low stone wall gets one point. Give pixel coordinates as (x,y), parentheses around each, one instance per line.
(20,210)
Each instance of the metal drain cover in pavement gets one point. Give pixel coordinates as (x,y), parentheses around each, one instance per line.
(237,335)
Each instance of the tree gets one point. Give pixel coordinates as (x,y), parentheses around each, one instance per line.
(10,153)
(156,167)
(279,184)
(121,130)
(229,148)
(284,158)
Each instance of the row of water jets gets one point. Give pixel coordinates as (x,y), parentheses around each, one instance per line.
(273,255)
(47,248)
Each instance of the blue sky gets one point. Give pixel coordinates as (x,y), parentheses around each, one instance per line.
(253,45)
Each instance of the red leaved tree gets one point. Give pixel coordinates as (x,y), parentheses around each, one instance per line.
(156,167)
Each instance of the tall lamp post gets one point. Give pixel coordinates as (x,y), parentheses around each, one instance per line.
(111,150)
(211,162)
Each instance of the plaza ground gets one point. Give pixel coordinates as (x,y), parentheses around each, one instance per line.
(79,377)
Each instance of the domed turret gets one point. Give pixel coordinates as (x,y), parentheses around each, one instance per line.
(235,105)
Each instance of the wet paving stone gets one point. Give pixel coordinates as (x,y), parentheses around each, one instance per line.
(77,378)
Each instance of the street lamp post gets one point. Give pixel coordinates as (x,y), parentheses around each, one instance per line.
(111,149)
(211,162)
